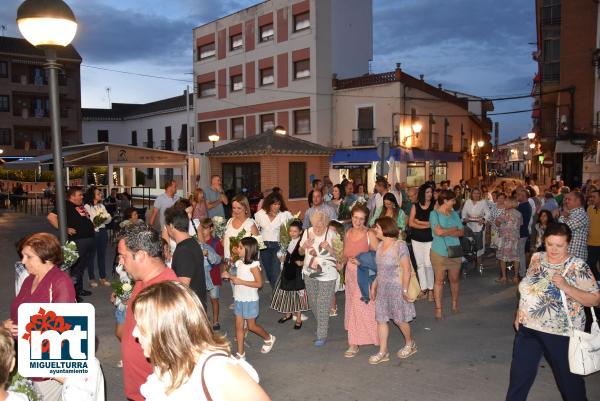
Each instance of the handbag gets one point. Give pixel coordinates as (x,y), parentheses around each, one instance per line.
(584,348)
(454,251)
(414,288)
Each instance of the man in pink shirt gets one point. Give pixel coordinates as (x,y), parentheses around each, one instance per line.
(140,251)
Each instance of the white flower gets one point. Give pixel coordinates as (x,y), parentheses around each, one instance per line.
(126,287)
(218,220)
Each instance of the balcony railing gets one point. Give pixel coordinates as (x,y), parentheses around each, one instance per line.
(149,144)
(448,147)
(363,137)
(166,145)
(435,146)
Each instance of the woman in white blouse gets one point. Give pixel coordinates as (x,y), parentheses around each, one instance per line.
(475,213)
(240,220)
(269,220)
(94,206)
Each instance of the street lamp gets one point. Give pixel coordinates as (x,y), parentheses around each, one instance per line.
(480,143)
(525,152)
(214,138)
(532,145)
(531,136)
(280,129)
(50,25)
(417,127)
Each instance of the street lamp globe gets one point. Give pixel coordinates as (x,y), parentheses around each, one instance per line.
(280,129)
(531,136)
(525,152)
(46,22)
(214,138)
(532,145)
(417,127)
(480,143)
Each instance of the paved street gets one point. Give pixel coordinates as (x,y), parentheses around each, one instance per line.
(464,357)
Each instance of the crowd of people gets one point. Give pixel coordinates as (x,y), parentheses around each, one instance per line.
(364,244)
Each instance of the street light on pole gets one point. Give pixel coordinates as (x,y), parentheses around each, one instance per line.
(214,138)
(531,136)
(50,25)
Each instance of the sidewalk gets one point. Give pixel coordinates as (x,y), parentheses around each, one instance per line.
(464,357)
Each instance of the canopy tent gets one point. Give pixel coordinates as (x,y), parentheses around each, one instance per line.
(110,155)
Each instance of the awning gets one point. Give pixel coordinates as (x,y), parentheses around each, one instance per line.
(353,156)
(409,155)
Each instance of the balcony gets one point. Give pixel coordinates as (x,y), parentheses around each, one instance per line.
(166,144)
(448,147)
(149,144)
(363,137)
(435,146)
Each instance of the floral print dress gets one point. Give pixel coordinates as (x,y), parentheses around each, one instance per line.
(541,305)
(510,221)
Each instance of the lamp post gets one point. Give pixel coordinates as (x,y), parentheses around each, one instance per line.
(417,127)
(50,25)
(214,138)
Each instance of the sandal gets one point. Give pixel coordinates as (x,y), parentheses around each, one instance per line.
(351,353)
(285,319)
(333,312)
(268,345)
(379,358)
(298,325)
(240,356)
(407,351)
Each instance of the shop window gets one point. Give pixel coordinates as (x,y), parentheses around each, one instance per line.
(241,177)
(297,180)
(439,169)
(267,76)
(236,42)
(302,69)
(266,33)
(267,122)
(415,173)
(302,122)
(301,21)
(207,89)
(237,128)
(205,129)
(206,51)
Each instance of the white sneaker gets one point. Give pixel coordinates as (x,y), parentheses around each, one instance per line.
(303,317)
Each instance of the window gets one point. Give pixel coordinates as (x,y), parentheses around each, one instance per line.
(150,136)
(266,33)
(267,122)
(267,76)
(205,129)
(301,21)
(4,103)
(102,135)
(238,176)
(5,137)
(168,143)
(207,89)
(3,69)
(237,83)
(237,128)
(448,145)
(182,145)
(551,12)
(302,122)
(551,63)
(435,141)
(365,118)
(206,51)
(415,173)
(133,138)
(465,144)
(236,41)
(297,180)
(301,69)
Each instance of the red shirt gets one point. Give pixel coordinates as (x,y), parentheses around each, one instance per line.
(136,367)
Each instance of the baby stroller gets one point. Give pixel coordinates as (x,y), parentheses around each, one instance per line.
(470,246)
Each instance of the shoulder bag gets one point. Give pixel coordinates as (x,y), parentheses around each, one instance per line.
(414,289)
(454,251)
(584,348)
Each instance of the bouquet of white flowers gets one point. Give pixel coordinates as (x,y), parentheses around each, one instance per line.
(220,226)
(261,242)
(284,234)
(100,218)
(70,255)
(23,385)
(122,288)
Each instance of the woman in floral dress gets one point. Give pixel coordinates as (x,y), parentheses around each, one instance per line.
(389,292)
(508,224)
(359,319)
(496,210)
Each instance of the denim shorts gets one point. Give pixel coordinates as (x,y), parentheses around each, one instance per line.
(247,310)
(120,315)
(215,293)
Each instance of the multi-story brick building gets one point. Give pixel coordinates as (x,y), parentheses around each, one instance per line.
(271,64)
(566,118)
(24,100)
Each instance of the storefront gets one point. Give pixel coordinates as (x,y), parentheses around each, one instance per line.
(358,165)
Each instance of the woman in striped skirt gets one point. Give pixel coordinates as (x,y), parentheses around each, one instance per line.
(289,295)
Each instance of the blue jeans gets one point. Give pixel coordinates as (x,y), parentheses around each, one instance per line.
(530,345)
(101,240)
(270,262)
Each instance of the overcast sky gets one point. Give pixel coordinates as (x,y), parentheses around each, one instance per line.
(476,46)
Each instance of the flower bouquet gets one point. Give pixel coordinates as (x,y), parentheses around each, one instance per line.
(233,244)
(220,226)
(122,288)
(70,255)
(23,385)
(343,212)
(338,248)
(284,234)
(100,218)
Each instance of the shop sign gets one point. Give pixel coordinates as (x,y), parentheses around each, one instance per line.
(548,163)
